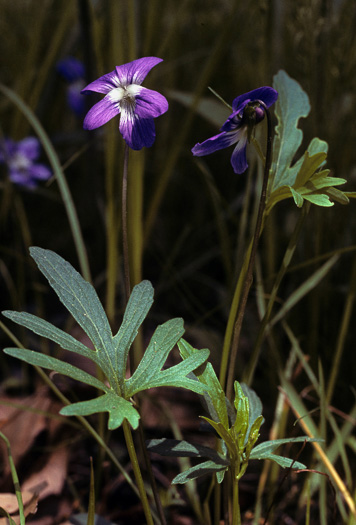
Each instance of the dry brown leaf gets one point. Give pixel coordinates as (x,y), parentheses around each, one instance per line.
(10,504)
(53,474)
(22,426)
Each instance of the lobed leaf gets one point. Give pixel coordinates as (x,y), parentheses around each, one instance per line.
(292,104)
(118,408)
(181,448)
(148,374)
(255,406)
(282,461)
(137,308)
(267,447)
(214,395)
(82,301)
(44,329)
(61,367)
(203,469)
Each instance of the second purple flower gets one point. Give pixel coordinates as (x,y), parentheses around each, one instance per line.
(124,95)
(247,112)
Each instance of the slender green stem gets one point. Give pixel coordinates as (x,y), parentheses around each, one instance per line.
(125,242)
(249,272)
(112,221)
(127,430)
(137,471)
(236,514)
(15,479)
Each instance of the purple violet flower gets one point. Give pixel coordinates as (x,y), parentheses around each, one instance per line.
(20,159)
(124,94)
(73,71)
(247,112)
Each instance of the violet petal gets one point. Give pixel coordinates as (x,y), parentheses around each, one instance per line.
(101,113)
(29,148)
(137,132)
(238,157)
(220,141)
(267,94)
(103,84)
(150,103)
(136,71)
(39,171)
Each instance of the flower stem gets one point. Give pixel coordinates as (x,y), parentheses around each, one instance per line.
(249,272)
(126,427)
(236,514)
(137,471)
(125,243)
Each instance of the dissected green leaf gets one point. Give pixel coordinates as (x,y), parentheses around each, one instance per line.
(255,405)
(80,298)
(149,374)
(181,448)
(301,180)
(267,447)
(203,469)
(137,308)
(242,416)
(118,408)
(61,367)
(283,462)
(214,396)
(43,328)
(292,104)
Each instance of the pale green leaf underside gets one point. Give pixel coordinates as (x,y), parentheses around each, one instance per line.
(255,407)
(61,367)
(282,461)
(82,301)
(149,374)
(45,329)
(214,396)
(118,408)
(203,469)
(181,448)
(137,308)
(292,104)
(267,447)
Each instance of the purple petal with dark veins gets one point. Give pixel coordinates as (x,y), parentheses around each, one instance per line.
(267,94)
(101,113)
(150,103)
(232,123)
(137,132)
(103,84)
(238,157)
(220,141)
(136,71)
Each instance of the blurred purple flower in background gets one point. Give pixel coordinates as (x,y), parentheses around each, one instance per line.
(20,159)
(247,112)
(73,72)
(124,94)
